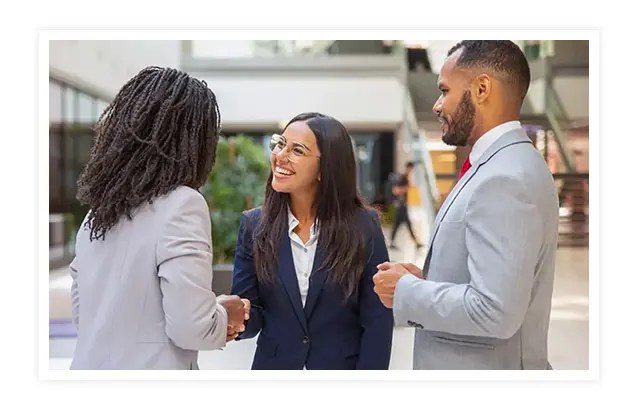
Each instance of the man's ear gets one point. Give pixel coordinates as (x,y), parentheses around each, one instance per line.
(481,88)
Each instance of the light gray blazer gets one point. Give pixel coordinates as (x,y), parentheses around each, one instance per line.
(485,302)
(141,297)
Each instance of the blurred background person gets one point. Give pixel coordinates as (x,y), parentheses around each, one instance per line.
(400,191)
(142,272)
(305,259)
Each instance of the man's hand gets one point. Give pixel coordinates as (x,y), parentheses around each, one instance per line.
(236,310)
(411,268)
(386,279)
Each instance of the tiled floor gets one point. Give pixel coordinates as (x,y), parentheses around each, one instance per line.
(568,340)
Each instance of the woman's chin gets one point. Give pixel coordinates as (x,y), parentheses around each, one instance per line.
(280,186)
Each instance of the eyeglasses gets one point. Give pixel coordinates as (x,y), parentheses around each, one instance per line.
(296,152)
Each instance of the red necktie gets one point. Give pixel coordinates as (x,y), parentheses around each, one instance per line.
(465,167)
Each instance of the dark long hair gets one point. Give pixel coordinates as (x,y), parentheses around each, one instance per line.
(160,132)
(337,207)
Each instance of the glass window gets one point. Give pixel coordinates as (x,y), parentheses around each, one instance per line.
(55,151)
(55,172)
(69,160)
(72,115)
(55,102)
(71,139)
(69,109)
(86,111)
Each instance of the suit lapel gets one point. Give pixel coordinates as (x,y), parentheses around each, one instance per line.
(318,278)
(288,277)
(506,140)
(444,210)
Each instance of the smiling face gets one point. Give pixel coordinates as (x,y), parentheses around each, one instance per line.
(454,107)
(295,159)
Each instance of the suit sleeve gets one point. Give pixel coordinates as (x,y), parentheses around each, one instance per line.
(75,295)
(75,287)
(375,318)
(193,318)
(245,283)
(503,236)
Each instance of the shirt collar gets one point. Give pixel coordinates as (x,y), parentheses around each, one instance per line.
(293,222)
(486,140)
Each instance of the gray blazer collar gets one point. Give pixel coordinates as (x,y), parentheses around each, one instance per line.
(509,138)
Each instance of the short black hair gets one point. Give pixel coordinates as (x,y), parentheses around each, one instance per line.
(504,57)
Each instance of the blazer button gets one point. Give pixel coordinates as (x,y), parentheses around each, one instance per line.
(305,340)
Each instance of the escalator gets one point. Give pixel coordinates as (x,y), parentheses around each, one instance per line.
(572,185)
(369,152)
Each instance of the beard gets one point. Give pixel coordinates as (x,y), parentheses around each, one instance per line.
(461,122)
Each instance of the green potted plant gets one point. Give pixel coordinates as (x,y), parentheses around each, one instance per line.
(235,184)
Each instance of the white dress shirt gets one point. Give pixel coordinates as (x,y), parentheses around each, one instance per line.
(303,254)
(486,140)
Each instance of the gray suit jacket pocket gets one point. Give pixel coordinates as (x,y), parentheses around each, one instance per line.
(463,343)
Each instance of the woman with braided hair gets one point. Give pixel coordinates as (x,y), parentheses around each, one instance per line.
(142,273)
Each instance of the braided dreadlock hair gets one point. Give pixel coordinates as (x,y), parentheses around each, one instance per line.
(159,133)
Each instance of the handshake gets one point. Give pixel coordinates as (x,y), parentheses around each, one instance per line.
(238,311)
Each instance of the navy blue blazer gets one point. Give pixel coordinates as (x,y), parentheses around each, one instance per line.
(326,333)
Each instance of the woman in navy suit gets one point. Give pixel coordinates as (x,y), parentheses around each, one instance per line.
(306,258)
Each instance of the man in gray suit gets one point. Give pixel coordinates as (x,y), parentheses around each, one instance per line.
(483,300)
